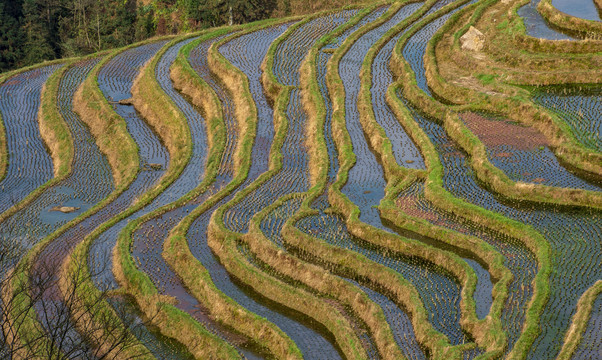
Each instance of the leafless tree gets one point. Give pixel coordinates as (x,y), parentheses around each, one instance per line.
(63,323)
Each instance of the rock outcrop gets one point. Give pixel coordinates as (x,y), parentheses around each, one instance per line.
(473,40)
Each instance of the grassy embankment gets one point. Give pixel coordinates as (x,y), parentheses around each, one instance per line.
(488,332)
(585,28)
(493,177)
(494,97)
(341,261)
(440,197)
(289,267)
(263,336)
(156,106)
(462,271)
(273,288)
(521,59)
(580,321)
(110,133)
(426,335)
(54,132)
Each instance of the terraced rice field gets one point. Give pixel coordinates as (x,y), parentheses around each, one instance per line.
(318,187)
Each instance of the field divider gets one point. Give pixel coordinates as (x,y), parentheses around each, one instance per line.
(579,322)
(75,269)
(292,267)
(517,107)
(4,156)
(266,336)
(548,123)
(56,137)
(426,335)
(507,42)
(22,310)
(223,241)
(383,144)
(173,238)
(159,309)
(261,247)
(487,332)
(341,261)
(111,135)
(552,62)
(589,29)
(443,199)
(487,173)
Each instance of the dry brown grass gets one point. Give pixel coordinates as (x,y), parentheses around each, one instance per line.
(513,61)
(501,99)
(199,93)
(579,321)
(164,117)
(56,136)
(108,129)
(317,163)
(237,84)
(51,138)
(564,21)
(84,321)
(294,298)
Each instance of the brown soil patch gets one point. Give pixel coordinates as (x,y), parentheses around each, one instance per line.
(49,136)
(407,204)
(497,132)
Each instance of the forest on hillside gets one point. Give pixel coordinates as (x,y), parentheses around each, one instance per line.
(32,31)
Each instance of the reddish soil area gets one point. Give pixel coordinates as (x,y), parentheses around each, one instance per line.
(409,205)
(498,132)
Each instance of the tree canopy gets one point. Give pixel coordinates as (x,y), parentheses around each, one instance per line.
(32,31)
